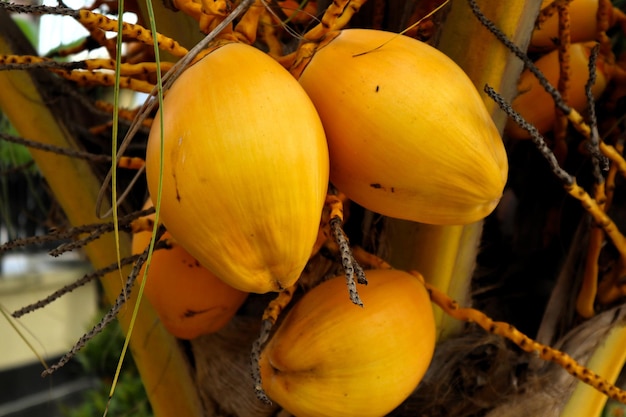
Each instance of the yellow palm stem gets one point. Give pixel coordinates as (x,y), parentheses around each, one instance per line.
(161,363)
(607,360)
(445,255)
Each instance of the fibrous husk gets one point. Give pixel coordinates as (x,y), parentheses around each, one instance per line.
(481,375)
(223,366)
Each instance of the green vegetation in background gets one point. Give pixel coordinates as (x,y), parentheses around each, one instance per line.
(99,357)
(12,155)
(29,28)
(614,409)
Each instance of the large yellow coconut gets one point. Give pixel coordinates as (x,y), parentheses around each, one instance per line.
(245,168)
(408,133)
(332,358)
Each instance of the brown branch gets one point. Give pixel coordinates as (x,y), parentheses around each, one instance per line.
(73,153)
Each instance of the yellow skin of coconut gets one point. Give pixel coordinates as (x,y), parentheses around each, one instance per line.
(583,26)
(332,358)
(246,168)
(537,106)
(409,135)
(189,300)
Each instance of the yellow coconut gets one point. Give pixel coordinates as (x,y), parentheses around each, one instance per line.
(188,298)
(245,168)
(537,106)
(332,358)
(583,25)
(409,135)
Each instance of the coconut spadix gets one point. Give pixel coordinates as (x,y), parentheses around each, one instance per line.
(536,105)
(245,168)
(409,135)
(583,24)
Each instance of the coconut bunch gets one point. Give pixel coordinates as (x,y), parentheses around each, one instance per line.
(244,156)
(242,174)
